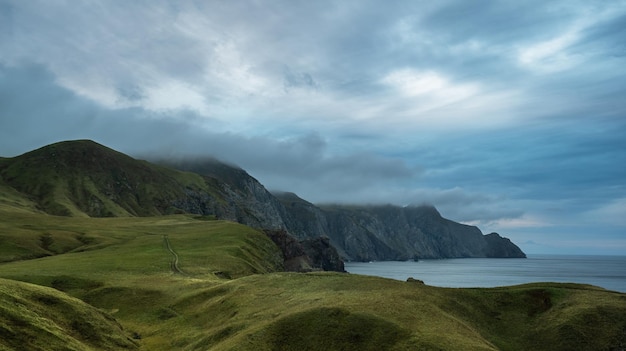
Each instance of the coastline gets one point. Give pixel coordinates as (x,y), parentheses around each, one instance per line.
(607,272)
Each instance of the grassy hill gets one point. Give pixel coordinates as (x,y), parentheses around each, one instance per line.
(229,293)
(83,178)
(35,318)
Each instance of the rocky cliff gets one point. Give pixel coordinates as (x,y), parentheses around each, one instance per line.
(243,198)
(306,255)
(367,233)
(498,246)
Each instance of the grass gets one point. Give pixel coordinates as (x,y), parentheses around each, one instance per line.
(83,178)
(231,295)
(13,201)
(110,248)
(38,318)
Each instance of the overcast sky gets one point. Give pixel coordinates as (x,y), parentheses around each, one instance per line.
(510,115)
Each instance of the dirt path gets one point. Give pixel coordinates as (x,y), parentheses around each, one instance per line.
(174,262)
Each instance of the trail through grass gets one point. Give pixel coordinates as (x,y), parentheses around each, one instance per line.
(174,262)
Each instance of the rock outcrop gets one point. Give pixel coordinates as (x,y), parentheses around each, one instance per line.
(306,255)
(294,256)
(323,255)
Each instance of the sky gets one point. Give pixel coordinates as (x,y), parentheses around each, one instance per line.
(507,115)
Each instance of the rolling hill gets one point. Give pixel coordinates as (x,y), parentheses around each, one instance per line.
(110,284)
(37,318)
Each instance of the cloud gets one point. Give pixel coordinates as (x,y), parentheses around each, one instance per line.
(430,84)
(550,55)
(468,207)
(210,59)
(613,213)
(298,80)
(429,99)
(559,52)
(174,95)
(241,67)
(525,221)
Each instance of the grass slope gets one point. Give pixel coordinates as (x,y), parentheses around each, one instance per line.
(83,178)
(328,311)
(231,295)
(34,318)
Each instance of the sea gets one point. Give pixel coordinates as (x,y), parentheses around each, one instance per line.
(608,272)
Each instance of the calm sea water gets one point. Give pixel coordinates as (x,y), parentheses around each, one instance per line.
(608,272)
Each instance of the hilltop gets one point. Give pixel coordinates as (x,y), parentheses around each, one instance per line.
(83,178)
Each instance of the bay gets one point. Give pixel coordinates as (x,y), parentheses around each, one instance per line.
(608,272)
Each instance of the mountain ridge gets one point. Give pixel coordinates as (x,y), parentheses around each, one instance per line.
(389,232)
(84,178)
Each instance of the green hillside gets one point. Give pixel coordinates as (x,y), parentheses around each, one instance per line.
(38,318)
(83,178)
(226,292)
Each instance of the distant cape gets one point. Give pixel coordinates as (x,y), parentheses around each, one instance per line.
(387,232)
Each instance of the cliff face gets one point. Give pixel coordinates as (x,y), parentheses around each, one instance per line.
(323,254)
(295,259)
(306,255)
(367,233)
(498,246)
(241,197)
